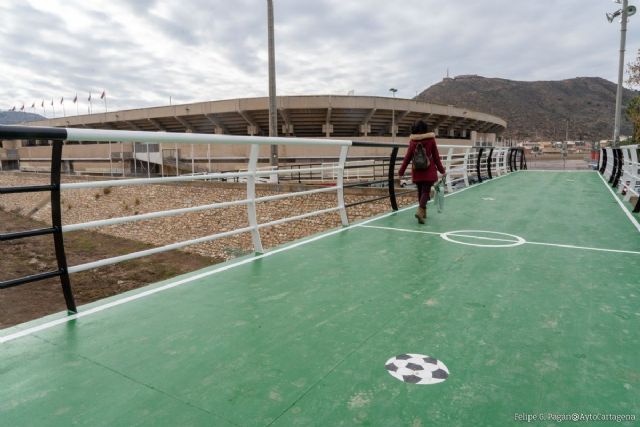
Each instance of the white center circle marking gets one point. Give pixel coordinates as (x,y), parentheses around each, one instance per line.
(509,242)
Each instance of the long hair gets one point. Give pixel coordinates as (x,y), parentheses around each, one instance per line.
(419,127)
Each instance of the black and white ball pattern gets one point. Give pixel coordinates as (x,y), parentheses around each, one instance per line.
(417,369)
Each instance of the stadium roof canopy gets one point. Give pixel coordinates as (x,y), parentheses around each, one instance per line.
(302,116)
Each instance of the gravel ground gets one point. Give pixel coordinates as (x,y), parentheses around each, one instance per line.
(92,204)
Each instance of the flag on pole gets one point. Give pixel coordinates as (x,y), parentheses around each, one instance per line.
(42,105)
(13,109)
(103,94)
(89,97)
(75,99)
(52,102)
(61,100)
(22,108)
(33,105)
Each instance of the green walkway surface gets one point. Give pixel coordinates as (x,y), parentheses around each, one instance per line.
(545,325)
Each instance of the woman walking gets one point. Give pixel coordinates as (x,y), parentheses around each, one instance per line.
(423,174)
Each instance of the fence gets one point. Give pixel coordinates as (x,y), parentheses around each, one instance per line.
(457,161)
(621,167)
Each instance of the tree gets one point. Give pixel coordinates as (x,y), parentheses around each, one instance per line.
(634,72)
(633,107)
(633,114)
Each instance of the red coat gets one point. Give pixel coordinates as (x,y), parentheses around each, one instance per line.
(428,141)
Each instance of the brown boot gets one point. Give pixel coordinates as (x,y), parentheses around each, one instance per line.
(421,215)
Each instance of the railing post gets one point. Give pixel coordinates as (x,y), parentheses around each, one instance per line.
(512,163)
(465,166)
(392,178)
(618,171)
(56,223)
(447,168)
(505,167)
(478,164)
(615,166)
(489,163)
(344,150)
(251,196)
(602,160)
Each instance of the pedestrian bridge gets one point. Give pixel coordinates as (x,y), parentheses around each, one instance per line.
(519,300)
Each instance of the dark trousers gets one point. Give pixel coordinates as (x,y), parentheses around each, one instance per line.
(424,190)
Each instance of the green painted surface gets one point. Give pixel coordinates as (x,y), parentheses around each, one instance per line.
(301,337)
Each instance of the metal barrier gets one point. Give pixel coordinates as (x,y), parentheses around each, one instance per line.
(620,166)
(457,164)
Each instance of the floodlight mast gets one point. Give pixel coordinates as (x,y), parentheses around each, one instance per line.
(624,13)
(273,108)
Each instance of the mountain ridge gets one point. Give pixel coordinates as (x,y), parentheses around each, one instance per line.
(13,117)
(538,110)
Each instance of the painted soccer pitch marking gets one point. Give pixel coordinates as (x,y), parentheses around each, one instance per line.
(449,236)
(521,329)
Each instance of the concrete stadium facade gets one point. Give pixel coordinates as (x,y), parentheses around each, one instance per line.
(358,118)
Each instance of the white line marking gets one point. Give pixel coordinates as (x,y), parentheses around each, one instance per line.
(560,170)
(144,294)
(624,208)
(511,243)
(400,229)
(586,248)
(558,245)
(48,325)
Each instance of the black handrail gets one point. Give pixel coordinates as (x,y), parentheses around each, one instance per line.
(26,189)
(56,222)
(390,173)
(523,159)
(618,172)
(603,161)
(510,158)
(56,210)
(391,178)
(29,233)
(615,166)
(489,163)
(478,164)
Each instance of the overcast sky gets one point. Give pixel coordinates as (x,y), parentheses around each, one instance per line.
(142,52)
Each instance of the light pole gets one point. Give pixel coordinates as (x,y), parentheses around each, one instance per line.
(273,111)
(624,13)
(393,116)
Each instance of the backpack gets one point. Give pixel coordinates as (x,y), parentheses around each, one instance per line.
(420,159)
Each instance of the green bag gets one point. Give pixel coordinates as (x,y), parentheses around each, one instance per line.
(440,194)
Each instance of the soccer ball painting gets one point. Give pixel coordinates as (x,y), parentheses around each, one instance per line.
(417,369)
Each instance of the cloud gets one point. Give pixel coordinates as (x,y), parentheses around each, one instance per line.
(143,52)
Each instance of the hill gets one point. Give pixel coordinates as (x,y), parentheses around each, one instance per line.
(12,117)
(538,110)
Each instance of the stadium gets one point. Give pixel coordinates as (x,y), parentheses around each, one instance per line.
(357,118)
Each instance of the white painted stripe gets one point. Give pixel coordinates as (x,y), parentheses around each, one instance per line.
(624,208)
(586,248)
(558,245)
(560,170)
(51,324)
(404,230)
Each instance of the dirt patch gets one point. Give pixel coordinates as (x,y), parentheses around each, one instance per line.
(36,255)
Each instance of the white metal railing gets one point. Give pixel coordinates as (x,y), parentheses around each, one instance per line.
(250,176)
(630,176)
(609,168)
(456,159)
